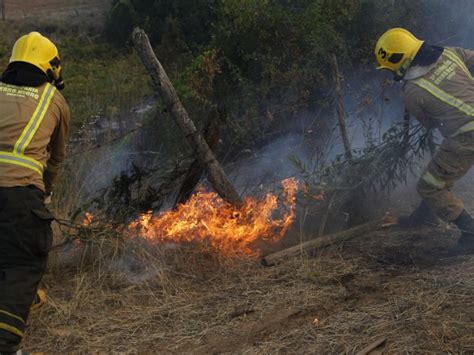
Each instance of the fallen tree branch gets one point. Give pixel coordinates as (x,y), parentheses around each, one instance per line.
(373,346)
(216,174)
(341,114)
(325,241)
(212,134)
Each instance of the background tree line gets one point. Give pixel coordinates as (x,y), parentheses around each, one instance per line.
(267,60)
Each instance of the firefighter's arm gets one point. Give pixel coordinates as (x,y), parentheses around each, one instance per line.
(467,57)
(414,105)
(57,148)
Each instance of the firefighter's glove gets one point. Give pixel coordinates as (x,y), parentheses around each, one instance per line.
(48,198)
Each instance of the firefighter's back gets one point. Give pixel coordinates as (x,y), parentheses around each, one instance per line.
(28,118)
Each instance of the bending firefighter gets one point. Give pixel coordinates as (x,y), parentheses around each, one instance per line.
(34,119)
(439,92)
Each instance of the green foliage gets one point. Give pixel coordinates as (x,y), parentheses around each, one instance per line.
(358,186)
(195,18)
(121,199)
(121,20)
(101,80)
(265,54)
(376,167)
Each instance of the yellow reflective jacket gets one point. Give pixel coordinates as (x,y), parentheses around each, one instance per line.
(34,124)
(443,98)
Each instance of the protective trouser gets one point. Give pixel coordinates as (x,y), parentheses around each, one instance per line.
(450,163)
(25,240)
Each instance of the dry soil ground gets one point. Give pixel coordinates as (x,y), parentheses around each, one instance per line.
(396,284)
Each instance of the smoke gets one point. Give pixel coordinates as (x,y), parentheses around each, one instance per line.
(135,269)
(268,166)
(451,23)
(108,146)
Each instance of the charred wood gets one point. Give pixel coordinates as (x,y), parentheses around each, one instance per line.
(341,115)
(212,134)
(163,85)
(324,241)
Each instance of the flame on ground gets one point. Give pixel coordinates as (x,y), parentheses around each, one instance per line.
(88,219)
(208,220)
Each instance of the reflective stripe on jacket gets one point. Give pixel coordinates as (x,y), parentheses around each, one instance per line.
(443,98)
(33,128)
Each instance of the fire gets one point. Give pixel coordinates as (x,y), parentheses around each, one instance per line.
(208,220)
(88,220)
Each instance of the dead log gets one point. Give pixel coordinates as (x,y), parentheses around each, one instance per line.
(371,348)
(212,135)
(341,115)
(325,241)
(216,174)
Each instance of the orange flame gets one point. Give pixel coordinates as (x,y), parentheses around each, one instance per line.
(88,220)
(207,219)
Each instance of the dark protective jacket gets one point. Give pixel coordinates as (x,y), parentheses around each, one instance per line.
(34,123)
(443,98)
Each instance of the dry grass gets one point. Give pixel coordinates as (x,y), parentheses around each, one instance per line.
(142,299)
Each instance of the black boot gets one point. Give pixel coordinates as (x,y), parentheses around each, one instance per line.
(465,223)
(422,216)
(14,352)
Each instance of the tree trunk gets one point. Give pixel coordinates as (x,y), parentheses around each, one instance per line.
(212,135)
(406,128)
(341,115)
(326,240)
(216,174)
(2,7)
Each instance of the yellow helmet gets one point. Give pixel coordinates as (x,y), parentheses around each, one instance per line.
(396,49)
(39,51)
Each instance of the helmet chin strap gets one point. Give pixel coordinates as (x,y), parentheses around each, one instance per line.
(59,83)
(400,74)
(56,79)
(55,75)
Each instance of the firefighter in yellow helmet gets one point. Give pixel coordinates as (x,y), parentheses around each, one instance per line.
(439,92)
(34,120)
